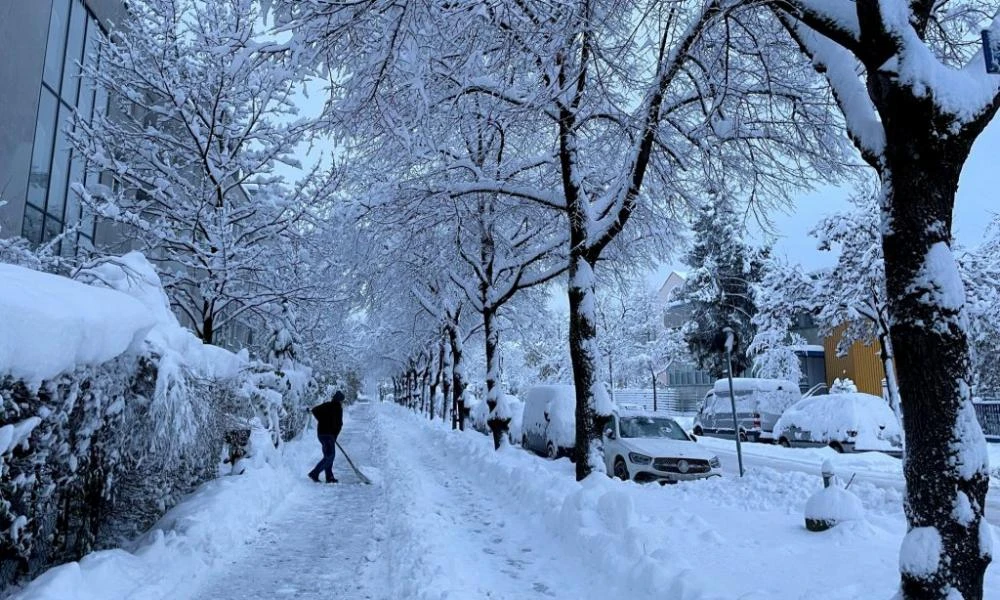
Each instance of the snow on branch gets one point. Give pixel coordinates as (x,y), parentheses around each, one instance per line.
(844,73)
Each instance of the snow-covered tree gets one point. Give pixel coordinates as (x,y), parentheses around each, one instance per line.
(981,274)
(852,293)
(719,289)
(780,296)
(622,97)
(204,115)
(908,77)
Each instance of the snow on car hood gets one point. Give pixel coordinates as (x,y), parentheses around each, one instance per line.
(666,448)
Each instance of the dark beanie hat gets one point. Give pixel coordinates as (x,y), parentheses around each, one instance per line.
(338,396)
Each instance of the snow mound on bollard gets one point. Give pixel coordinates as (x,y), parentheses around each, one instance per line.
(831,506)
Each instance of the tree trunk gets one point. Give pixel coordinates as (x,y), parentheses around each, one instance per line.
(208,326)
(436,380)
(889,368)
(458,380)
(652,373)
(498,427)
(446,379)
(945,462)
(611,376)
(592,403)
(425,398)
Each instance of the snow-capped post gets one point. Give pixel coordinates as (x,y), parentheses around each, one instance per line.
(991,51)
(730,344)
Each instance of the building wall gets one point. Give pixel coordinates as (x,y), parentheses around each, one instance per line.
(862,364)
(41,90)
(23,28)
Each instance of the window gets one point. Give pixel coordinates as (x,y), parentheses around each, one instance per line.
(51,204)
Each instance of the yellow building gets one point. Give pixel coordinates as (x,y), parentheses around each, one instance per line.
(862,363)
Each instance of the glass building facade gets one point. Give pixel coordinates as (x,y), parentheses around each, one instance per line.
(51,205)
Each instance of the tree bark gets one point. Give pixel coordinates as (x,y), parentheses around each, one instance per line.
(458,380)
(436,380)
(446,380)
(584,355)
(945,465)
(652,372)
(498,427)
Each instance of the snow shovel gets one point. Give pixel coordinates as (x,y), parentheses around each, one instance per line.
(356,470)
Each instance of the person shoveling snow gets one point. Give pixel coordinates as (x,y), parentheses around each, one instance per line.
(330,420)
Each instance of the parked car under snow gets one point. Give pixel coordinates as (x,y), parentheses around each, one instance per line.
(651,447)
(759,404)
(549,426)
(849,422)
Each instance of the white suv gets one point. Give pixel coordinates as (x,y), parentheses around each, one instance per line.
(648,447)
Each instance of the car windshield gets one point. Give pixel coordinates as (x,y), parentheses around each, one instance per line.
(651,427)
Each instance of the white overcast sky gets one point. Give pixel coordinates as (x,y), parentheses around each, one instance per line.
(974,207)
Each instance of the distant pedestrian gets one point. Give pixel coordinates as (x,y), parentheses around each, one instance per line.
(330,419)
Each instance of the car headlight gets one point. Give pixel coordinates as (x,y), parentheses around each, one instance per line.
(715,463)
(639,459)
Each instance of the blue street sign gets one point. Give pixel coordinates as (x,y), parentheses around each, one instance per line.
(991,52)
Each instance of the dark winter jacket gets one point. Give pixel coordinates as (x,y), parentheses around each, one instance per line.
(330,416)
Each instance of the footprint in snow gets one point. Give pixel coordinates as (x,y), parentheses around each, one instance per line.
(541,588)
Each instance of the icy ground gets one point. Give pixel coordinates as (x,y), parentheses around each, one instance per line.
(450,519)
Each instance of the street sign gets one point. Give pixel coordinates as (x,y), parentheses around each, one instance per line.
(991,51)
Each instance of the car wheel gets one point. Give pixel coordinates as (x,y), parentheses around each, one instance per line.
(698,431)
(743,436)
(621,469)
(784,443)
(837,447)
(551,452)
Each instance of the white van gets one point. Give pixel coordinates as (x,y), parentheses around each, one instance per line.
(759,404)
(549,420)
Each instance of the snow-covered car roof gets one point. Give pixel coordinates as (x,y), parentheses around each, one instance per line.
(743,384)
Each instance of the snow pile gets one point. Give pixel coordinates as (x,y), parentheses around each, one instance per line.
(52,324)
(921,552)
(834,505)
(183,547)
(134,276)
(862,418)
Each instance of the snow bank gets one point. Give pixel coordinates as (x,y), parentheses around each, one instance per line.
(834,417)
(834,504)
(135,276)
(192,538)
(52,324)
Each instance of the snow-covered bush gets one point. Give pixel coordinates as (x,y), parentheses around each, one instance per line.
(110,411)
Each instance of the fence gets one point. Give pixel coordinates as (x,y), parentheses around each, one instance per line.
(674,399)
(988,413)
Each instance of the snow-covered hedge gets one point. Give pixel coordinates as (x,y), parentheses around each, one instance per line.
(110,411)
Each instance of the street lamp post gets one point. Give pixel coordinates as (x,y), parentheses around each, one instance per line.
(730,342)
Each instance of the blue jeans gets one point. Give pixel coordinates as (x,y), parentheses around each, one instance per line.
(325,464)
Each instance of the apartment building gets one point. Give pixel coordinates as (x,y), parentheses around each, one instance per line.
(45,43)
